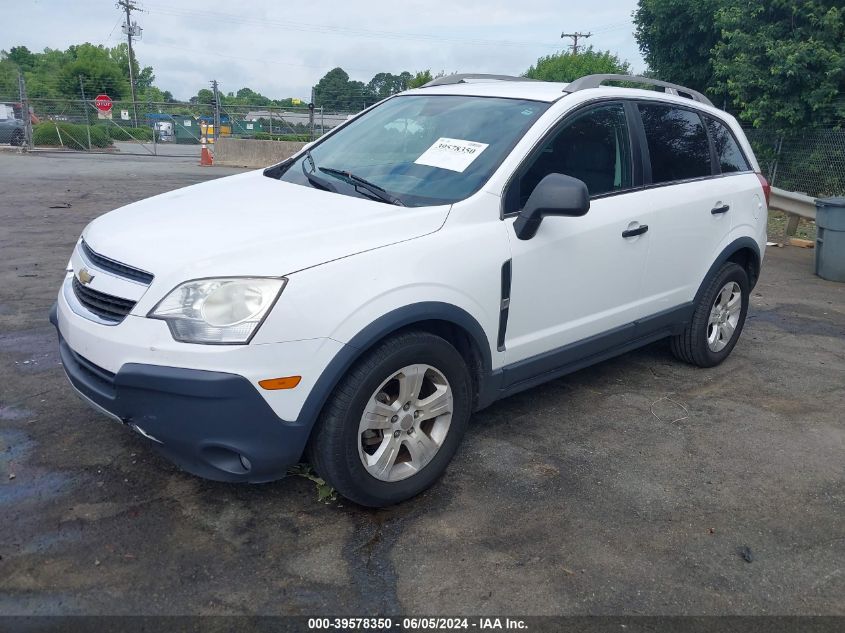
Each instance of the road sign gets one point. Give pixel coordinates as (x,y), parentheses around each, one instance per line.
(103,103)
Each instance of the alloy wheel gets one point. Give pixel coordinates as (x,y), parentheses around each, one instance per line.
(724,316)
(405,422)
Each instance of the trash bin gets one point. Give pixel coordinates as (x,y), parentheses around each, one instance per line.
(830,238)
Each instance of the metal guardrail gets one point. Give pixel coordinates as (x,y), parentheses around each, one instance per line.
(794,205)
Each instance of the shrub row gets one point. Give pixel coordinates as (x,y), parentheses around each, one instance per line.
(70,135)
(118,133)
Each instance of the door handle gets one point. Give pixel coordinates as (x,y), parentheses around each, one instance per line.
(642,228)
(719,210)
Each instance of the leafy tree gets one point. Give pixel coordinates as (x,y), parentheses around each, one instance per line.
(42,80)
(676,38)
(383,85)
(332,89)
(204,97)
(420,79)
(8,79)
(144,77)
(335,91)
(783,62)
(21,57)
(98,69)
(568,66)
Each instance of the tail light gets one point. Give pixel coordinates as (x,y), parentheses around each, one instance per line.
(767,188)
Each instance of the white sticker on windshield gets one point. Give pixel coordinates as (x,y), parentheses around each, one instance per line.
(451,153)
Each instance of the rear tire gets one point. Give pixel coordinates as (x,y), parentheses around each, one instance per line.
(717,321)
(394,421)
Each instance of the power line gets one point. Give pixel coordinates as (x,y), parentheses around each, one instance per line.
(575,37)
(327,29)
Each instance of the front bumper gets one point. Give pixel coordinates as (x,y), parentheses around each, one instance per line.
(210,423)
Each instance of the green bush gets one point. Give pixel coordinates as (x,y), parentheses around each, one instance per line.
(118,133)
(70,135)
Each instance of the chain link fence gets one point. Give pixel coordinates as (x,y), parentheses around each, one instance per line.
(149,128)
(161,128)
(810,160)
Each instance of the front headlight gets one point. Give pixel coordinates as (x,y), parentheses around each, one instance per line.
(227,310)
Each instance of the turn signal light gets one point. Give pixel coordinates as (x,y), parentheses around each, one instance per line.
(289,382)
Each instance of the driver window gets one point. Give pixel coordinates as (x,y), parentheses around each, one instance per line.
(592,146)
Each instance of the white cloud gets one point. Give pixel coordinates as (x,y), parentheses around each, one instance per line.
(282,48)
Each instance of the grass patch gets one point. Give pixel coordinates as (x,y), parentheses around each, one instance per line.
(325,493)
(777,227)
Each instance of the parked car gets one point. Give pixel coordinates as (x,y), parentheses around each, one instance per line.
(447,247)
(12,129)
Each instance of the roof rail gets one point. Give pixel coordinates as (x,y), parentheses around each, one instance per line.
(460,78)
(594,81)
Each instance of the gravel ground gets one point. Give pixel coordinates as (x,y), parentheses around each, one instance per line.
(633,487)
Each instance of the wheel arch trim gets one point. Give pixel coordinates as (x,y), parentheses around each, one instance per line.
(739,244)
(378,330)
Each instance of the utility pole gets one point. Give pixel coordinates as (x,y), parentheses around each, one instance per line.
(85,107)
(311,116)
(575,37)
(216,109)
(25,114)
(131,30)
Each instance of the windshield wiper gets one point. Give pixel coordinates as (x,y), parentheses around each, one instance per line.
(313,178)
(372,188)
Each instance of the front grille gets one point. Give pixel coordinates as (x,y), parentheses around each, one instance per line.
(121,270)
(107,307)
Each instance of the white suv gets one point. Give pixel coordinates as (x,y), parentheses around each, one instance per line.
(447,247)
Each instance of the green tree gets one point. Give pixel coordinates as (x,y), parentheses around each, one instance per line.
(383,85)
(21,57)
(98,69)
(568,67)
(335,91)
(8,79)
(144,77)
(420,79)
(204,96)
(783,62)
(676,38)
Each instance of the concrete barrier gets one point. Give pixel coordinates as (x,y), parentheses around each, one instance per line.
(238,152)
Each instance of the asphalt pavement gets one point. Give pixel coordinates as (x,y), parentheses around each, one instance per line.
(638,486)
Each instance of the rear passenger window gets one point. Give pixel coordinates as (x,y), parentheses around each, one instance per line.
(730,157)
(677,143)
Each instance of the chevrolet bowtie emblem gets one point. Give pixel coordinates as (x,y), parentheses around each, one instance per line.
(85,277)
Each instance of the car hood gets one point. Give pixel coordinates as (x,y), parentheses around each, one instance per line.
(250,224)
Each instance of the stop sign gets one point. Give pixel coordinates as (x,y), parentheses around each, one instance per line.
(102,103)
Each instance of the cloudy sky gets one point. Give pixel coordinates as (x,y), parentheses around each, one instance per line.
(281,48)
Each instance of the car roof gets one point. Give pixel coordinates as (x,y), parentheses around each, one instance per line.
(547,91)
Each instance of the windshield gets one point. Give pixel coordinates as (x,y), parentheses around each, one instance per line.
(419,150)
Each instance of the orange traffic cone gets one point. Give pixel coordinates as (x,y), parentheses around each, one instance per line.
(205,157)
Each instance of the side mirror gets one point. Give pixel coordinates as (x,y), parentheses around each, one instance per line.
(555,194)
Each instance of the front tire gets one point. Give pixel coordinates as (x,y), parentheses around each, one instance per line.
(717,321)
(394,421)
